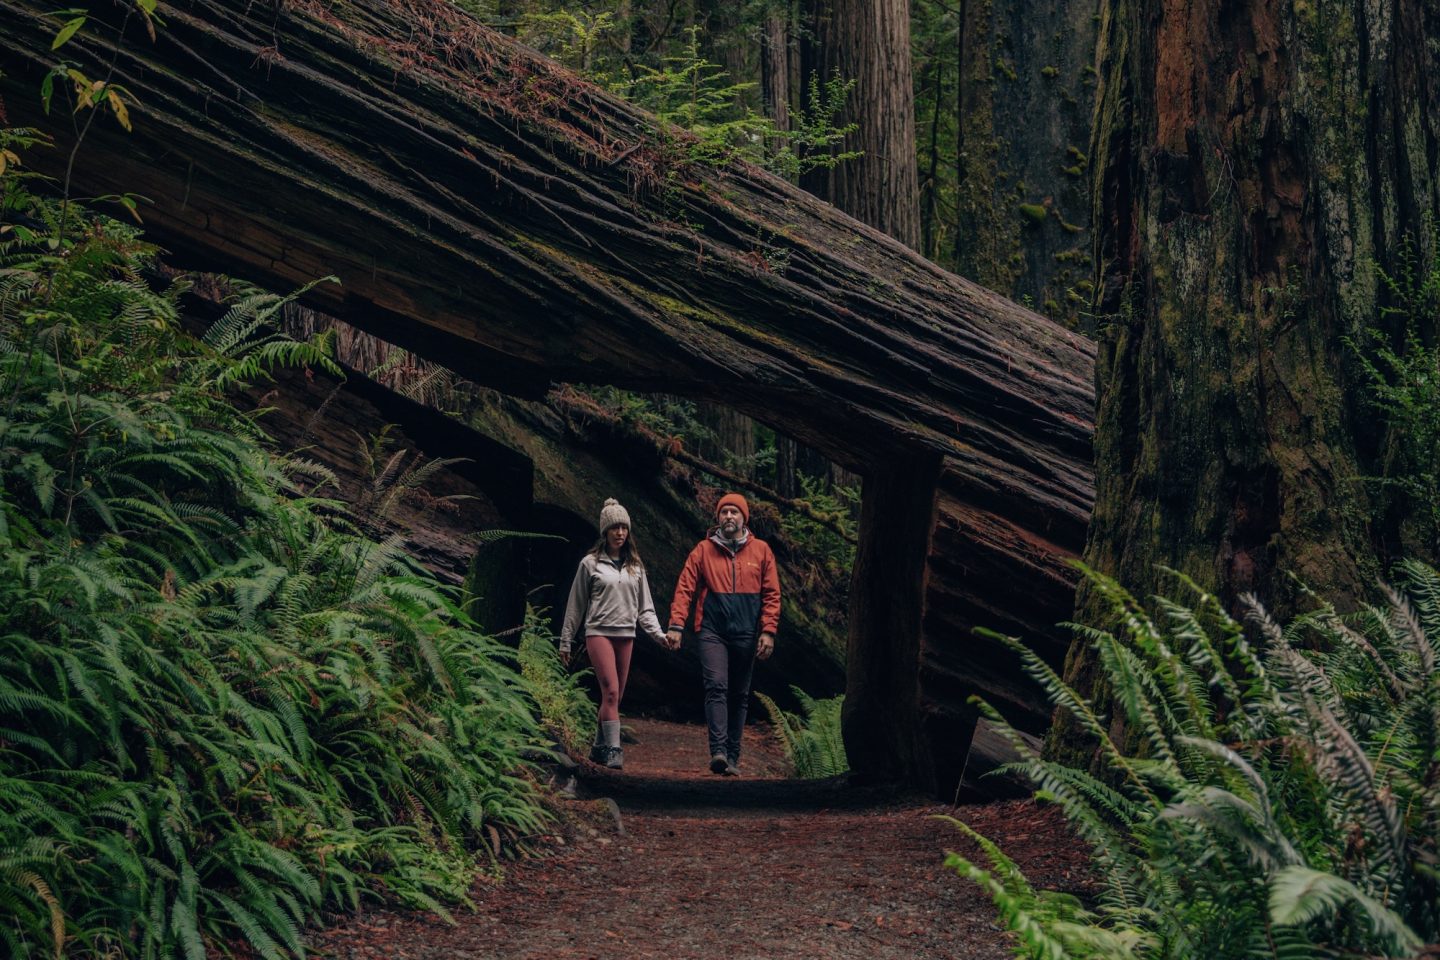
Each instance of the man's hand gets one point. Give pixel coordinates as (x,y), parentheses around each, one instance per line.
(765,647)
(672,640)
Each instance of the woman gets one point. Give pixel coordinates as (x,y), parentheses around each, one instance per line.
(609,599)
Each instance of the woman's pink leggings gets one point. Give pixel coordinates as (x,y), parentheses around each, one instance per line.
(610,656)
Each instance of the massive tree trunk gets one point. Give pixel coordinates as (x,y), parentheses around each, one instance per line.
(867,42)
(486,209)
(1024,98)
(775,57)
(1251,161)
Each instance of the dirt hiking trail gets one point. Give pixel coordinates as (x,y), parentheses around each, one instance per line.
(687,865)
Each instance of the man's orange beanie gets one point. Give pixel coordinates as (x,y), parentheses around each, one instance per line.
(736,501)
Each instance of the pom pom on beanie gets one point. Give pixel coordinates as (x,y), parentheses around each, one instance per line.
(612,513)
(736,501)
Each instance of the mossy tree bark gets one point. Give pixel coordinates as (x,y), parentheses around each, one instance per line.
(1025,89)
(486,209)
(1251,162)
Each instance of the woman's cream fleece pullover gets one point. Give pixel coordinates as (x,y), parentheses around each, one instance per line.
(609,600)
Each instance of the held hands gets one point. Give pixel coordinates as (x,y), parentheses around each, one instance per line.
(672,640)
(765,647)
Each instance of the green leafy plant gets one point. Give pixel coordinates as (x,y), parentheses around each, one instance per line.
(1285,798)
(223,710)
(559,693)
(689,93)
(1403,376)
(812,742)
(834,545)
(574,38)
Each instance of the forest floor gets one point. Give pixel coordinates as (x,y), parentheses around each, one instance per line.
(680,863)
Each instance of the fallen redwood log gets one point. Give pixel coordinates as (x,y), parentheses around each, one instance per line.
(488,210)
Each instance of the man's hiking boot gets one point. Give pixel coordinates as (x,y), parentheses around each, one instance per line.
(732,767)
(718,763)
(614,758)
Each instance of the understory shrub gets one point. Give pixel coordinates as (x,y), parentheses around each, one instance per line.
(559,693)
(812,742)
(1401,364)
(223,709)
(833,547)
(1284,800)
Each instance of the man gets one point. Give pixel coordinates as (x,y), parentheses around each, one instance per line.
(731,576)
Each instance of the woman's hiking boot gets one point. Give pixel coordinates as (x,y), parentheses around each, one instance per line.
(614,758)
(598,753)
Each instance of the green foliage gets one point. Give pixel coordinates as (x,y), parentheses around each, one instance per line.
(399,476)
(690,93)
(664,414)
(573,38)
(1403,376)
(834,548)
(1284,802)
(1047,925)
(222,710)
(559,694)
(88,94)
(812,742)
(705,115)
(13,140)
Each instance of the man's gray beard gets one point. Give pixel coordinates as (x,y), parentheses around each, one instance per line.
(730,530)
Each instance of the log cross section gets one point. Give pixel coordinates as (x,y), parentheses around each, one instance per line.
(489,210)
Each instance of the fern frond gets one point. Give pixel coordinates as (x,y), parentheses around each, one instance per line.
(1299,895)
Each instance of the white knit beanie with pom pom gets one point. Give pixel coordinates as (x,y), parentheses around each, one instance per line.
(612,513)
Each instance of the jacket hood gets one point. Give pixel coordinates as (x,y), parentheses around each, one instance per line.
(732,546)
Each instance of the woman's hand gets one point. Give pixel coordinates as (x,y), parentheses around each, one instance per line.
(565,656)
(672,640)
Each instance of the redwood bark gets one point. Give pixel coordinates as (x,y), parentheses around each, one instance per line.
(1250,161)
(775,68)
(1024,92)
(486,209)
(868,43)
(888,593)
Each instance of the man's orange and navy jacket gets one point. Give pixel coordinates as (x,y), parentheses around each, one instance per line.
(736,594)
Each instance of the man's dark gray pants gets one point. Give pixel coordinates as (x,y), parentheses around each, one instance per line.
(727,664)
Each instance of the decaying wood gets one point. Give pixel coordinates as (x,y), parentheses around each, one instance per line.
(488,210)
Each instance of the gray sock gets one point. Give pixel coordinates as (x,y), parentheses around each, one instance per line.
(610,730)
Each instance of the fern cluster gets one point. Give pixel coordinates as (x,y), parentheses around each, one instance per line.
(222,710)
(1402,374)
(812,742)
(559,693)
(1281,803)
